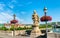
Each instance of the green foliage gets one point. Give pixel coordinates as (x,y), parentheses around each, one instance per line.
(12,28)
(25,28)
(44,26)
(19,28)
(3,28)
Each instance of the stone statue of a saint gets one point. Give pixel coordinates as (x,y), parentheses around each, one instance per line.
(35,30)
(35,18)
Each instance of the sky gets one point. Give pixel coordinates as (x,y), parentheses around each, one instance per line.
(24,10)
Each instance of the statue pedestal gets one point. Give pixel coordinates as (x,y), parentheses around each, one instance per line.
(35,32)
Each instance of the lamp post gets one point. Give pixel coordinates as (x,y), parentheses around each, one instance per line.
(45,11)
(14,21)
(45,18)
(14,25)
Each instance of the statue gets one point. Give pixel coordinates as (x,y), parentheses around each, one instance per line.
(35,30)
(35,18)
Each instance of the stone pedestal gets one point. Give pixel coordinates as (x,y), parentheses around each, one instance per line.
(35,32)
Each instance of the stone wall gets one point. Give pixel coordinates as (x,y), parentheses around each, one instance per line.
(53,35)
(21,32)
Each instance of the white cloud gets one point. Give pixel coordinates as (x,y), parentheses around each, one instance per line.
(11,4)
(6,17)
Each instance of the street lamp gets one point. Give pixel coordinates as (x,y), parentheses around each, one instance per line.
(14,21)
(45,18)
(45,11)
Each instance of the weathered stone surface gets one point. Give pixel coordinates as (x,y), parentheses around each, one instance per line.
(35,31)
(53,35)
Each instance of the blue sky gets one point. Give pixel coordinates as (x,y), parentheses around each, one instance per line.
(24,10)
